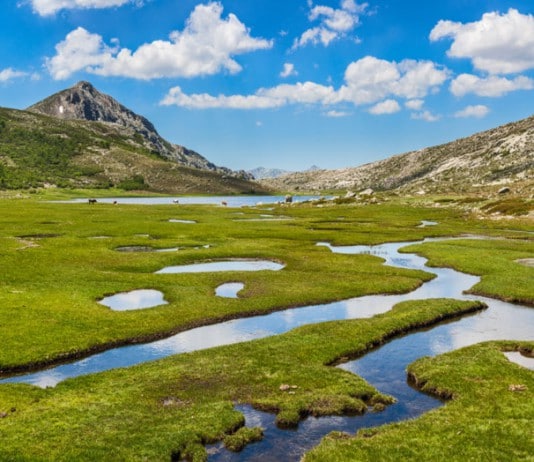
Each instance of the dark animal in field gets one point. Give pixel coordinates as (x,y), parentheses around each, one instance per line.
(92,201)
(224,203)
(289,199)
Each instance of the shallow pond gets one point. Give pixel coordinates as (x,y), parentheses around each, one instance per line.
(384,367)
(231,201)
(134,300)
(229,290)
(178,220)
(221,266)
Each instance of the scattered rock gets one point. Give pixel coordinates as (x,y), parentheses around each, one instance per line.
(367,192)
(3,415)
(517,387)
(350,195)
(526,262)
(504,190)
(287,387)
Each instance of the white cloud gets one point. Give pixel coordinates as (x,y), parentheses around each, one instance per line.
(389,106)
(264,98)
(10,74)
(425,115)
(498,43)
(367,81)
(289,70)
(333,23)
(414,104)
(50,7)
(337,114)
(370,79)
(205,47)
(491,86)
(473,111)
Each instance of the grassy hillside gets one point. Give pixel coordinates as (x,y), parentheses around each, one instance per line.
(38,150)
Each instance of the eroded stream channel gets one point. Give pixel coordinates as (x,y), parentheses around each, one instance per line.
(384,368)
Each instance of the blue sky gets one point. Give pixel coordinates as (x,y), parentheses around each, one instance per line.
(285,84)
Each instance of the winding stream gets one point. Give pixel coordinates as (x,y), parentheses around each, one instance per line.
(384,368)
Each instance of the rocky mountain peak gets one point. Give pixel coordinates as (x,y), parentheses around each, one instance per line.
(84,102)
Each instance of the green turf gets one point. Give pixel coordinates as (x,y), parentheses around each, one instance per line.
(487,419)
(151,411)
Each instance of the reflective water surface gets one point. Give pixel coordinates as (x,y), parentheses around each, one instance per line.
(230,201)
(383,367)
(221,266)
(134,300)
(229,290)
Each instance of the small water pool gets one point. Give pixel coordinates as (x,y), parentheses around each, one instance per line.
(227,265)
(134,300)
(229,290)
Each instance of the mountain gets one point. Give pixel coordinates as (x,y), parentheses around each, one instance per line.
(261,173)
(39,150)
(84,102)
(484,161)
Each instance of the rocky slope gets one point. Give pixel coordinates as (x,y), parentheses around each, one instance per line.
(84,102)
(38,150)
(489,160)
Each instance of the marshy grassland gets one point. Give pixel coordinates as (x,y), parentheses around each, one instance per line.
(58,260)
(489,415)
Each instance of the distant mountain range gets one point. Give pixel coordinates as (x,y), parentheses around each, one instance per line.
(261,173)
(82,138)
(489,160)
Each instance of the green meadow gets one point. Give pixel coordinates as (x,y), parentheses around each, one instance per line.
(59,259)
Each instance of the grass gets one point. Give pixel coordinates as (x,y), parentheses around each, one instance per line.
(187,400)
(502,276)
(484,420)
(58,260)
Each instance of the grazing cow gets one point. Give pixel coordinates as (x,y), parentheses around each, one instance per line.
(92,201)
(289,199)
(224,203)
(176,201)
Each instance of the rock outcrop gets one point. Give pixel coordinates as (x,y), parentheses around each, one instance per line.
(492,160)
(84,102)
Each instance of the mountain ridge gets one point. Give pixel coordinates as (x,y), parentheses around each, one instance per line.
(84,102)
(38,150)
(486,160)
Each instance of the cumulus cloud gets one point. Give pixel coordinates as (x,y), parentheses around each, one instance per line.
(370,79)
(337,114)
(492,86)
(414,104)
(367,81)
(288,70)
(50,7)
(264,98)
(427,116)
(389,106)
(332,23)
(205,47)
(473,111)
(497,44)
(9,74)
